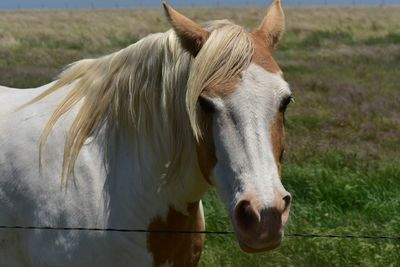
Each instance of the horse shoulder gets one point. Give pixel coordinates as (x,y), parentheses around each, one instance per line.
(30,197)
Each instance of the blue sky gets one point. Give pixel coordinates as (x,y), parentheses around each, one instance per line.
(14,4)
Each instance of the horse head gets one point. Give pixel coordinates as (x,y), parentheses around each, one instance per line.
(241,122)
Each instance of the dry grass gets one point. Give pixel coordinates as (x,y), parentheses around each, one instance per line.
(52,39)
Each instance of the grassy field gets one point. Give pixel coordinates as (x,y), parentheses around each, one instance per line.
(342,163)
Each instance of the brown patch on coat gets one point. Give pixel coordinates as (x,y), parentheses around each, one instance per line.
(223,89)
(278,139)
(177,249)
(205,148)
(262,55)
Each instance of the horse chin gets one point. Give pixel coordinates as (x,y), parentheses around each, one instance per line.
(258,249)
(259,245)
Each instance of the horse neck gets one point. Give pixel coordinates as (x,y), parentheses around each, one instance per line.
(135,183)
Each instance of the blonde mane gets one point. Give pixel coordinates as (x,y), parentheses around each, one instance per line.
(150,88)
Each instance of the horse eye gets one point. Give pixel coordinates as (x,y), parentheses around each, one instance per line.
(285,102)
(206,104)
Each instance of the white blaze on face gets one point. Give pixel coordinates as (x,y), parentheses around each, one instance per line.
(242,123)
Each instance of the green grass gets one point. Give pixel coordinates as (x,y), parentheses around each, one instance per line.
(342,163)
(333,193)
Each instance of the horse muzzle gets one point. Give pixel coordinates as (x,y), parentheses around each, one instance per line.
(260,228)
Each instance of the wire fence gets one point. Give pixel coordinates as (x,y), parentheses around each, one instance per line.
(72,4)
(298,235)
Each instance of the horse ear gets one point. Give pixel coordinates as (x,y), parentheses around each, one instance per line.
(191,35)
(273,25)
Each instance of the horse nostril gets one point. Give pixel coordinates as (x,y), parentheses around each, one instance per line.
(246,214)
(287,199)
(285,212)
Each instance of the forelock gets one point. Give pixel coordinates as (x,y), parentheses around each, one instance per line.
(226,53)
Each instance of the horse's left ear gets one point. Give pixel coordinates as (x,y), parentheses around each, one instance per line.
(191,35)
(273,25)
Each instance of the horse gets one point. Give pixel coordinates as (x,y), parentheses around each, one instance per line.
(134,139)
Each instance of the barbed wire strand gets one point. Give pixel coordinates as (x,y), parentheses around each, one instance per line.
(300,235)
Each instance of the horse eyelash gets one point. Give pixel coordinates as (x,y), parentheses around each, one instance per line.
(206,105)
(285,102)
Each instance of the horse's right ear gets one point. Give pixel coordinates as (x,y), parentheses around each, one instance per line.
(191,35)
